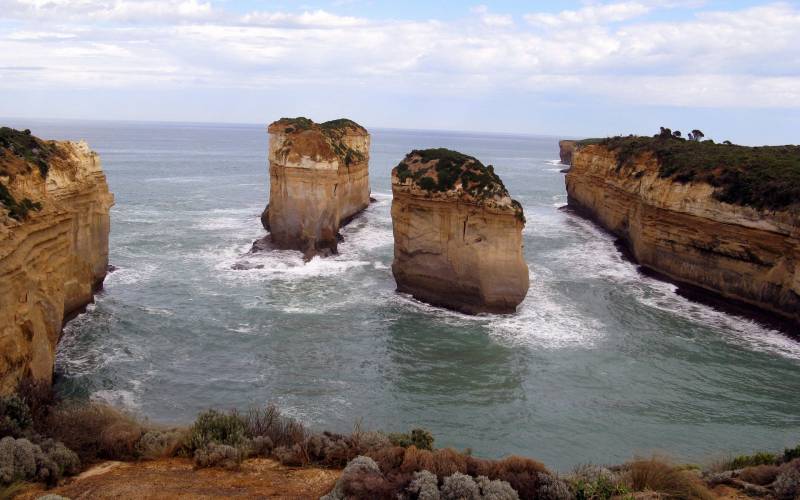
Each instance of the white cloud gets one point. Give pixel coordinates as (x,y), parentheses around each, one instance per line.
(744,58)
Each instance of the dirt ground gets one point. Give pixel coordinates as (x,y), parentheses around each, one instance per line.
(175,478)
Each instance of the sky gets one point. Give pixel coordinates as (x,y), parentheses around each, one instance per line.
(572,69)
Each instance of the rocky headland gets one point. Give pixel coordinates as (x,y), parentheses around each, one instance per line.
(720,218)
(319,180)
(565,150)
(457,234)
(54,225)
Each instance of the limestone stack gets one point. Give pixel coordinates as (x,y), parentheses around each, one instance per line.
(319,180)
(565,150)
(54,225)
(682,230)
(457,234)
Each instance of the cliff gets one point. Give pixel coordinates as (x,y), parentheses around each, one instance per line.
(457,234)
(54,225)
(720,217)
(319,180)
(565,151)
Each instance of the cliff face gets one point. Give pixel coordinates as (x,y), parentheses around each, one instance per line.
(53,257)
(565,151)
(457,235)
(319,180)
(683,231)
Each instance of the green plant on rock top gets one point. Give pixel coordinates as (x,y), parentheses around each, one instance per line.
(760,458)
(420,438)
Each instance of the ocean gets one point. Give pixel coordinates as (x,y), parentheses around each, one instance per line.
(600,363)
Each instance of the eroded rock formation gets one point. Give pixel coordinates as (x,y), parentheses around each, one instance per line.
(457,234)
(684,231)
(54,225)
(319,180)
(565,150)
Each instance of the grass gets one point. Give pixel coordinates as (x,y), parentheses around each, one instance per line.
(658,475)
(766,177)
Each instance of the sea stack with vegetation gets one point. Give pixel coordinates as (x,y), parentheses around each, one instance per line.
(319,180)
(54,225)
(719,217)
(457,234)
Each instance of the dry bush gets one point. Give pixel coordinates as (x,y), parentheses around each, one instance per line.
(39,397)
(156,444)
(218,455)
(659,476)
(292,456)
(269,422)
(443,463)
(95,430)
(761,475)
(388,459)
(520,472)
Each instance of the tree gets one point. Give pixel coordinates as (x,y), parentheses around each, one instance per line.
(677,134)
(665,133)
(696,135)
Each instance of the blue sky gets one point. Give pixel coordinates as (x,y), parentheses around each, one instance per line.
(583,68)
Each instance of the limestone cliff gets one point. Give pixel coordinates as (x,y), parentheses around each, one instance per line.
(54,225)
(680,227)
(319,180)
(565,151)
(457,234)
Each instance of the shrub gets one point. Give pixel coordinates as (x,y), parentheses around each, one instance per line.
(15,416)
(425,486)
(521,473)
(357,469)
(65,459)
(159,443)
(790,454)
(261,446)
(215,427)
(659,476)
(787,484)
(269,422)
(218,455)
(460,487)
(552,488)
(603,487)
(293,456)
(761,475)
(21,460)
(420,438)
(95,430)
(760,458)
(40,398)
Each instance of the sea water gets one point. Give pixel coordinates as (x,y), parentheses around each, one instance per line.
(599,364)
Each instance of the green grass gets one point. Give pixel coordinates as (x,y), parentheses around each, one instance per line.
(766,177)
(24,145)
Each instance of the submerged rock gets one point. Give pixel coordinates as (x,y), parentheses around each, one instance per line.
(457,234)
(319,180)
(54,225)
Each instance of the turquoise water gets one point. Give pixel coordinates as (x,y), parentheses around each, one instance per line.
(600,363)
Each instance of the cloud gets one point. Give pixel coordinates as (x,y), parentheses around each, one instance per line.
(734,58)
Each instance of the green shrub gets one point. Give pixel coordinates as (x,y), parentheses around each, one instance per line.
(790,454)
(24,145)
(742,461)
(215,427)
(602,488)
(21,460)
(420,438)
(15,416)
(17,210)
(218,455)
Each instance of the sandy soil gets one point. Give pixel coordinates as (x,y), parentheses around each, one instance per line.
(175,478)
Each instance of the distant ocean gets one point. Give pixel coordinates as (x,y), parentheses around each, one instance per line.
(600,363)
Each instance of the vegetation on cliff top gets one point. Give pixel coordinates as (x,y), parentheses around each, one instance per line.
(766,177)
(24,145)
(333,131)
(439,169)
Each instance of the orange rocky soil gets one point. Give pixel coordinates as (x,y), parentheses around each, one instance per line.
(176,478)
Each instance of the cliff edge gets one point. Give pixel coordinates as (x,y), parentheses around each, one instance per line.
(54,225)
(721,217)
(457,234)
(319,180)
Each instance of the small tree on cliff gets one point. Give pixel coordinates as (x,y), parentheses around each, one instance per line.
(677,134)
(665,133)
(696,135)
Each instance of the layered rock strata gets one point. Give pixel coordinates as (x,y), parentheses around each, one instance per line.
(319,180)
(457,234)
(683,231)
(54,226)
(565,150)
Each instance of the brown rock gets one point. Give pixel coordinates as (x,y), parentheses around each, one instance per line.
(319,180)
(681,231)
(566,150)
(52,259)
(457,235)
